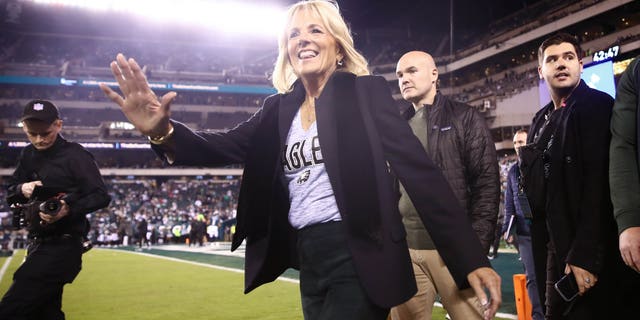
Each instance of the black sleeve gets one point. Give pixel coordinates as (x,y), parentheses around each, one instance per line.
(212,149)
(482,177)
(14,190)
(89,193)
(440,211)
(593,136)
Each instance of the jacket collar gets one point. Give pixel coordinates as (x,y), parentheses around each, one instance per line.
(577,94)
(56,146)
(438,101)
(289,104)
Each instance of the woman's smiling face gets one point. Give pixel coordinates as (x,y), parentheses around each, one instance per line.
(313,52)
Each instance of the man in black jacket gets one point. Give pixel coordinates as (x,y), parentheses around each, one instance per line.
(573,229)
(456,137)
(50,168)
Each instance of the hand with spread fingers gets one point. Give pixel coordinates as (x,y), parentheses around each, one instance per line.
(139,104)
(486,278)
(585,279)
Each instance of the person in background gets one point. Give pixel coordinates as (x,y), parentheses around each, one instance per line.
(495,245)
(517,217)
(141,231)
(316,193)
(456,136)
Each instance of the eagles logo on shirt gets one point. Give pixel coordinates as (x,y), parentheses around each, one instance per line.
(304,176)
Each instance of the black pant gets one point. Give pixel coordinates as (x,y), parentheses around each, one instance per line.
(36,291)
(329,285)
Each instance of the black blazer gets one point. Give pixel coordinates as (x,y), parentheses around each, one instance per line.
(578,218)
(362,135)
(579,214)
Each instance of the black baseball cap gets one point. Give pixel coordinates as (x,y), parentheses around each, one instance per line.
(41,110)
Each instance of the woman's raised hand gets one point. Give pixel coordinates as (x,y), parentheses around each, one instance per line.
(146,111)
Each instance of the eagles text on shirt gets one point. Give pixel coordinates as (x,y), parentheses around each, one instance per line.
(294,157)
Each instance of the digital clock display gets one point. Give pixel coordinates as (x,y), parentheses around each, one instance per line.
(606,54)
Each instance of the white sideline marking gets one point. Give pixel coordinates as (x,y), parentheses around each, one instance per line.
(197,264)
(5,266)
(507,315)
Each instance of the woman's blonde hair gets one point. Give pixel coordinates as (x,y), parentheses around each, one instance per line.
(283,74)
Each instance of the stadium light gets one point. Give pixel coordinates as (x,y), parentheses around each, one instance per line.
(230,16)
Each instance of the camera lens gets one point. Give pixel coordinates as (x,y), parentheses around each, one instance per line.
(50,207)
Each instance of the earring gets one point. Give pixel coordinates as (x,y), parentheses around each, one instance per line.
(340,63)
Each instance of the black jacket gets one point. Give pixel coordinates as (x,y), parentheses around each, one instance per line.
(360,131)
(68,168)
(578,217)
(579,214)
(460,143)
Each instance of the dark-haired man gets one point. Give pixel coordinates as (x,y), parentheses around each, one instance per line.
(573,229)
(50,168)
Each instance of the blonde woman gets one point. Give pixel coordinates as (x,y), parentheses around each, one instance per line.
(317,194)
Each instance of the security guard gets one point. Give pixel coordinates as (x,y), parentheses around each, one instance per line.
(50,168)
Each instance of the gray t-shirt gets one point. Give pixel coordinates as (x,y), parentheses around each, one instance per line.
(310,193)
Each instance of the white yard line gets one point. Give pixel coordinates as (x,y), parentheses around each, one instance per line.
(200,264)
(5,266)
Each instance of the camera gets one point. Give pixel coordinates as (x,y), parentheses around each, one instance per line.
(26,215)
(50,207)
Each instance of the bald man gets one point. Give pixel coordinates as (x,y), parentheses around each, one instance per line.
(458,140)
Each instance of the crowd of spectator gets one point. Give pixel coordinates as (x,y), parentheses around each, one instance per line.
(169,208)
(510,84)
(522,21)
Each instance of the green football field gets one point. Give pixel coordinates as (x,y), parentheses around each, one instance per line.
(118,284)
(121,284)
